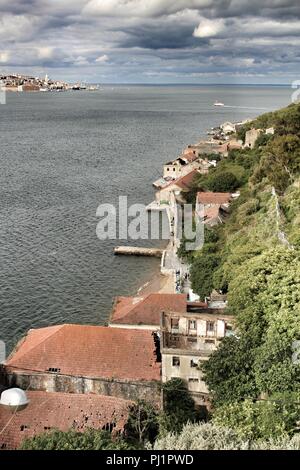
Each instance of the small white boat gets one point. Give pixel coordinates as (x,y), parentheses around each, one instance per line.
(218,103)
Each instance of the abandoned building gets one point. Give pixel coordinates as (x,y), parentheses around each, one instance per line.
(62,411)
(144,312)
(187,340)
(119,362)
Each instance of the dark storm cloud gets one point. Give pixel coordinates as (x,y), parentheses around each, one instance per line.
(160,36)
(137,39)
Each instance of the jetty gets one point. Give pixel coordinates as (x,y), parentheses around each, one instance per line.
(138,251)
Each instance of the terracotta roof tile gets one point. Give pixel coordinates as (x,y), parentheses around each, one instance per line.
(146,310)
(89,351)
(61,411)
(213,198)
(185,182)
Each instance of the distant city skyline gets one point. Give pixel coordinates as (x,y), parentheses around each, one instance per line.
(153,41)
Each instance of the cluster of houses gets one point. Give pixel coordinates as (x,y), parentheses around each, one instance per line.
(19,83)
(81,376)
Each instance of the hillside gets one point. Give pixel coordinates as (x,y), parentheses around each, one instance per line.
(255,258)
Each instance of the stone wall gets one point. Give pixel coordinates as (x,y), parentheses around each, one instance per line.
(53,382)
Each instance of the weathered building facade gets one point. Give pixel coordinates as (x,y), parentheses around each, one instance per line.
(187,341)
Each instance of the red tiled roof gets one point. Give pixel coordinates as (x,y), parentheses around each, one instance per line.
(185,182)
(89,351)
(210,213)
(213,198)
(189,156)
(61,411)
(146,310)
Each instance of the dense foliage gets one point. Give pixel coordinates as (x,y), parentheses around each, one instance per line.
(72,440)
(207,436)
(179,407)
(256,260)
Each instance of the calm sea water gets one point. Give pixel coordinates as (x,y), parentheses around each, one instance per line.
(61,156)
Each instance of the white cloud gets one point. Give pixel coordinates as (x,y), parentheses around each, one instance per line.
(140,8)
(102,59)
(18,27)
(45,52)
(4,56)
(209,28)
(80,60)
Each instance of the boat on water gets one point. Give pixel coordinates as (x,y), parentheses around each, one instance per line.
(218,103)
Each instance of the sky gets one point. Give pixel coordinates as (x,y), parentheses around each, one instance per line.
(152,41)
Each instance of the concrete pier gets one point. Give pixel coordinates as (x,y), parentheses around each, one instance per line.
(138,251)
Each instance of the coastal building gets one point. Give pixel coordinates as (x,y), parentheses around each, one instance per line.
(119,362)
(177,187)
(228,127)
(251,137)
(204,148)
(62,411)
(211,199)
(29,87)
(212,208)
(187,341)
(145,312)
(181,166)
(211,216)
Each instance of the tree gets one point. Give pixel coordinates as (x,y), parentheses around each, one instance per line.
(179,407)
(281,162)
(91,439)
(209,436)
(223,182)
(201,273)
(265,296)
(263,419)
(229,372)
(143,422)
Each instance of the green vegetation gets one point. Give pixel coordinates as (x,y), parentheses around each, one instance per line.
(208,436)
(72,440)
(261,419)
(255,258)
(179,407)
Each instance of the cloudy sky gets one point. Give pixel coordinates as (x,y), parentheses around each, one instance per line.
(152,41)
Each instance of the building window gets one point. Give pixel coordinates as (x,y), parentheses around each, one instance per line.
(192,340)
(210,326)
(194,363)
(176,361)
(53,369)
(192,324)
(174,338)
(174,323)
(193,380)
(168,169)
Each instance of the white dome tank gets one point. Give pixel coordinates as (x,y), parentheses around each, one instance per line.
(14,399)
